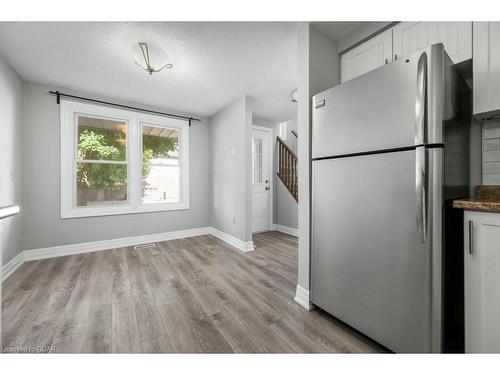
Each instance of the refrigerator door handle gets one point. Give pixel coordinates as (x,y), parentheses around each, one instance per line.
(420,158)
(421,194)
(420,102)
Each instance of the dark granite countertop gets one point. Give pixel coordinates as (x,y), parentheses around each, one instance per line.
(486,198)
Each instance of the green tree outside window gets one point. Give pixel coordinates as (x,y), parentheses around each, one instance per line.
(110,145)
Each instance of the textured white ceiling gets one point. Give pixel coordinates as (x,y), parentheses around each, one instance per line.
(338,30)
(214,63)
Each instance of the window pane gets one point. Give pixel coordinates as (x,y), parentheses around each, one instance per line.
(159,145)
(100,139)
(160,184)
(101,184)
(257,160)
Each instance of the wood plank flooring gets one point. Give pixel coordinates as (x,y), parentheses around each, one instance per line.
(194,295)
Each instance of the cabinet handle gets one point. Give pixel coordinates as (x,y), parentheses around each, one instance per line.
(395,57)
(471,239)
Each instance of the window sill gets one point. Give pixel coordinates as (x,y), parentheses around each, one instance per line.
(124,210)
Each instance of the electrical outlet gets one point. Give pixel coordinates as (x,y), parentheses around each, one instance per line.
(233,151)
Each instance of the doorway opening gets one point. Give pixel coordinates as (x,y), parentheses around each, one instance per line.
(262,170)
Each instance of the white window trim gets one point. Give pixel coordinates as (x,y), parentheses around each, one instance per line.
(68,142)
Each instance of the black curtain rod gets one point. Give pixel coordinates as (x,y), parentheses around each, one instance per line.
(59,94)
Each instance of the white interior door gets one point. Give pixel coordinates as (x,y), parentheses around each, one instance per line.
(261,179)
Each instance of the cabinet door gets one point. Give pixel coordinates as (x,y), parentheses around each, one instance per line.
(486,68)
(370,55)
(413,36)
(482,283)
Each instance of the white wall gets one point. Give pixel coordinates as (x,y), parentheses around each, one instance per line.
(291,140)
(11,184)
(41,167)
(262,122)
(362,34)
(231,168)
(318,69)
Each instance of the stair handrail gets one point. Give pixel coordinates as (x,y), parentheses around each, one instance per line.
(287,147)
(287,168)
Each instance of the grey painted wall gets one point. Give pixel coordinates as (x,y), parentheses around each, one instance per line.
(41,167)
(285,206)
(231,158)
(318,69)
(11,188)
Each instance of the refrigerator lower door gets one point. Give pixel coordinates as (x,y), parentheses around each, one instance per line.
(369,265)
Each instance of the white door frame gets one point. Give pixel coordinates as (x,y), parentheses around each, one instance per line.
(271,172)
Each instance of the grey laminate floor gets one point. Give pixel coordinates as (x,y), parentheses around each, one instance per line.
(191,295)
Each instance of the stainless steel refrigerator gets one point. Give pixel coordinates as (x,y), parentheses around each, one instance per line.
(389,154)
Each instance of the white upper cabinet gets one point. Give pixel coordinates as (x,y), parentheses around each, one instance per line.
(407,37)
(486,68)
(370,55)
(413,36)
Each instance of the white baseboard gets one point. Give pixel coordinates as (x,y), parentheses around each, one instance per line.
(88,247)
(233,241)
(287,230)
(12,265)
(302,298)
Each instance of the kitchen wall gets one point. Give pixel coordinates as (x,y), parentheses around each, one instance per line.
(491,153)
(231,134)
(11,184)
(41,167)
(475,149)
(318,69)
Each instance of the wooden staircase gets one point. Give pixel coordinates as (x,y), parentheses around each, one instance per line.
(287,168)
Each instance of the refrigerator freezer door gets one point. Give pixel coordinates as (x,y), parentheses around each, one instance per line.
(369,266)
(359,115)
(378,110)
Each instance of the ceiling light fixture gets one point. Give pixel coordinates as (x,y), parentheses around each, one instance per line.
(145,54)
